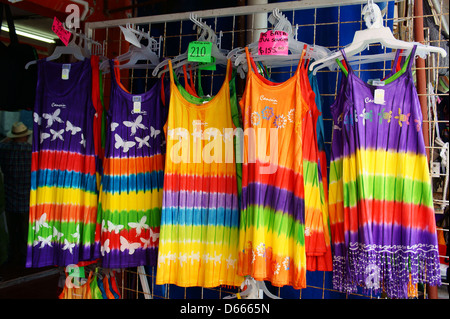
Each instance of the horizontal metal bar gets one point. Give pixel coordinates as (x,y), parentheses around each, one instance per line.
(225,12)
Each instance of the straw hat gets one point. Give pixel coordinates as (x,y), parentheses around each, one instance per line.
(19,130)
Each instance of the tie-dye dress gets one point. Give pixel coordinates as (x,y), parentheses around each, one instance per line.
(272,223)
(130,198)
(65,166)
(200,216)
(381,203)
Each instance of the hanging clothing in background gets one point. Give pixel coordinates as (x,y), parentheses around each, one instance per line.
(323,263)
(81,289)
(64,172)
(317,236)
(17,84)
(272,223)
(200,215)
(381,201)
(133,174)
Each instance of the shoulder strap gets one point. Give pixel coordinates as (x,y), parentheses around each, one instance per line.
(172,81)
(249,60)
(112,71)
(411,57)
(11,27)
(396,64)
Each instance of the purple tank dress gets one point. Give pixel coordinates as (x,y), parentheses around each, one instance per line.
(64,194)
(381,202)
(132,180)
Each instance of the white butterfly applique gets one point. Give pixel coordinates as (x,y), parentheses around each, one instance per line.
(45,241)
(56,233)
(124,244)
(121,143)
(193,257)
(197,134)
(83,141)
(211,132)
(103,229)
(142,141)
(115,228)
(105,248)
(140,225)
(76,234)
(154,235)
(70,127)
(114,125)
(181,134)
(41,222)
(227,135)
(54,117)
(146,243)
(37,118)
(68,245)
(44,136)
(154,132)
(135,125)
(57,134)
(182,258)
(230,262)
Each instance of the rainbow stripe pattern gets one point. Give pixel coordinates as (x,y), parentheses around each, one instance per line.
(198,243)
(129,210)
(380,196)
(65,166)
(272,223)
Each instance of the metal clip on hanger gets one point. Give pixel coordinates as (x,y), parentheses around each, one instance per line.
(375,33)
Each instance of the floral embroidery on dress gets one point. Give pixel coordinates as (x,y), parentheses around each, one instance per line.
(291,115)
(255,118)
(267,113)
(280,121)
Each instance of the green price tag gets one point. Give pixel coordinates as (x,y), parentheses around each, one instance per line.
(207,65)
(77,272)
(199,51)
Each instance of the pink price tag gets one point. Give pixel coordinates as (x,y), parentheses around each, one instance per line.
(60,31)
(273,43)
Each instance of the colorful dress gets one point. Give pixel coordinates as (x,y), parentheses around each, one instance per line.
(272,223)
(200,216)
(64,172)
(133,175)
(317,236)
(381,203)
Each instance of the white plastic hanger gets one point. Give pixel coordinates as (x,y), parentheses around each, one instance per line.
(295,47)
(129,35)
(149,52)
(375,33)
(207,34)
(70,49)
(255,290)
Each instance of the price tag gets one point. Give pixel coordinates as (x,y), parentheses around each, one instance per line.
(200,51)
(273,43)
(378,96)
(65,71)
(136,104)
(60,31)
(208,66)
